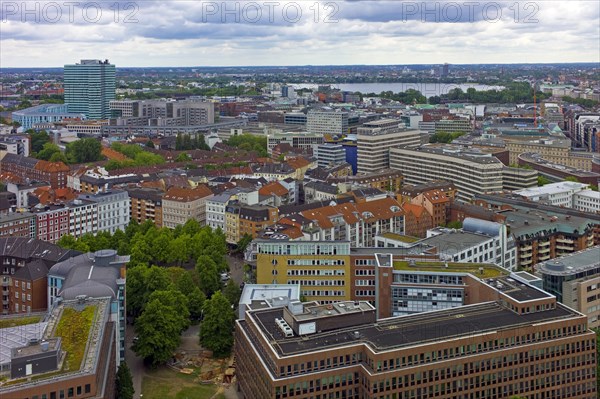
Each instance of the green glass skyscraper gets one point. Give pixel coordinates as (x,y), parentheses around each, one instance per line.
(89,88)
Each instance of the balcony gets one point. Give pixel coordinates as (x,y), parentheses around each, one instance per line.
(543,244)
(526,262)
(526,247)
(564,240)
(543,258)
(564,247)
(544,250)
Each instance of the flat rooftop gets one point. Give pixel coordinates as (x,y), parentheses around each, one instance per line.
(574,263)
(516,289)
(400,237)
(405,331)
(17,337)
(453,242)
(322,311)
(489,270)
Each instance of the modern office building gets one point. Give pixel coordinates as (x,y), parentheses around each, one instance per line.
(99,274)
(33,360)
(189,112)
(327,121)
(329,155)
(90,87)
(302,140)
(575,281)
(472,172)
(375,139)
(510,339)
(45,113)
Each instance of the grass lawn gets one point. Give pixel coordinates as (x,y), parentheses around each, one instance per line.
(19,321)
(167,384)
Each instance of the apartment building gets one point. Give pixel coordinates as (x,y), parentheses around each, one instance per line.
(242,219)
(376,138)
(18,225)
(52,222)
(553,150)
(471,172)
(182,204)
(113,209)
(543,232)
(311,350)
(358,222)
(25,168)
(146,204)
(437,204)
(575,281)
(83,217)
(24,264)
(215,211)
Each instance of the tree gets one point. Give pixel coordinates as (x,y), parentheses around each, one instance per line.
(243,243)
(59,157)
(543,180)
(572,179)
(158,329)
(217,325)
(208,275)
(136,289)
(85,150)
(177,301)
(124,383)
(38,139)
(47,151)
(150,144)
(196,300)
(232,292)
(183,157)
(69,242)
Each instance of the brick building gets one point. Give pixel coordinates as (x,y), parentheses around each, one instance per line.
(30,168)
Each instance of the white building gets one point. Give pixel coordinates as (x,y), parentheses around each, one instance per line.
(215,211)
(558,194)
(587,201)
(568,194)
(327,121)
(329,155)
(375,139)
(83,217)
(113,209)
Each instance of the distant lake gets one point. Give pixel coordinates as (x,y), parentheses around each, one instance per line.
(427,89)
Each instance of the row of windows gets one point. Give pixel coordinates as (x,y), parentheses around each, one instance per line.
(70,393)
(323,293)
(313,262)
(316,272)
(317,283)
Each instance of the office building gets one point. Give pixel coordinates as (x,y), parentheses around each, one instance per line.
(557,172)
(189,112)
(45,113)
(30,355)
(567,194)
(100,274)
(18,224)
(329,155)
(308,350)
(89,88)
(375,139)
(472,172)
(575,281)
(303,140)
(294,118)
(327,122)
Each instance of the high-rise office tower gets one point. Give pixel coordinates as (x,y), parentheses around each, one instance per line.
(89,88)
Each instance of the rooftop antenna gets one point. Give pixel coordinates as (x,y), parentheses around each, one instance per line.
(534,109)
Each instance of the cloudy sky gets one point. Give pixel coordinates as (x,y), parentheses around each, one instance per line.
(301,32)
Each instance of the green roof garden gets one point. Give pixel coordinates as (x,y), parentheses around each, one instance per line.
(489,270)
(401,238)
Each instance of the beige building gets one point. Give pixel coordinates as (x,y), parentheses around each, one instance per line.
(575,280)
(374,140)
(470,174)
(181,204)
(553,150)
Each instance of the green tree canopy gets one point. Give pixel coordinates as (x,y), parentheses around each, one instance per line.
(159,332)
(47,151)
(208,275)
(124,383)
(85,150)
(216,330)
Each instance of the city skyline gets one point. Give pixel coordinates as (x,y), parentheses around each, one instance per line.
(186,34)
